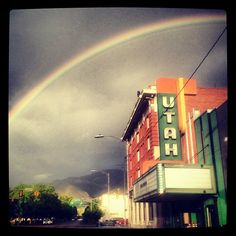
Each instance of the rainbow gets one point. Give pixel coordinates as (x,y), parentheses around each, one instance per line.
(107,44)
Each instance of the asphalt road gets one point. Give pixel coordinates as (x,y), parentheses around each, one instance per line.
(70,224)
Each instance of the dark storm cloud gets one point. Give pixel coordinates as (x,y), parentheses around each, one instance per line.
(42,39)
(53,137)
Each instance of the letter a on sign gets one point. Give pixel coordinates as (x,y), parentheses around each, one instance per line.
(170,133)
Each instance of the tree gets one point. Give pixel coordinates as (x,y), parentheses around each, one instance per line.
(42,188)
(39,201)
(48,205)
(68,211)
(93,212)
(13,208)
(20,197)
(66,199)
(79,204)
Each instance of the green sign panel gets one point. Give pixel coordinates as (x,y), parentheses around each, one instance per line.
(169,135)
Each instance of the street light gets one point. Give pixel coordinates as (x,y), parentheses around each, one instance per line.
(99,136)
(108,187)
(104,136)
(120,139)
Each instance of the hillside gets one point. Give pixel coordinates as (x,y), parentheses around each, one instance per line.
(70,190)
(89,186)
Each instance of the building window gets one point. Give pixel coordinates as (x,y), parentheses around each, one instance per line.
(142,151)
(147,123)
(137,137)
(143,119)
(139,173)
(148,144)
(138,156)
(186,218)
(129,149)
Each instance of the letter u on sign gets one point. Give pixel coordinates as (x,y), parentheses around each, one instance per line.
(166,103)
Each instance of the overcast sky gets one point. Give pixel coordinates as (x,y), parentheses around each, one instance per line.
(52,138)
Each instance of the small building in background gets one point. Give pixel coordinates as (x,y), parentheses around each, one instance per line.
(114,205)
(176,156)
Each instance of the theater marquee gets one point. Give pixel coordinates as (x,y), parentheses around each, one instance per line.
(166,179)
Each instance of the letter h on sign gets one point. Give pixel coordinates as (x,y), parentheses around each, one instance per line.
(169,149)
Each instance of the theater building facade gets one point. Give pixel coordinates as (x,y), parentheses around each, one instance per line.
(176,156)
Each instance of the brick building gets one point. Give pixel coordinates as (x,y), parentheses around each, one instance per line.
(175,168)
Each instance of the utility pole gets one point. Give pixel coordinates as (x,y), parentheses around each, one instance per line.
(108,188)
(108,192)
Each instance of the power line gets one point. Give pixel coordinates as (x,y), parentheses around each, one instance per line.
(204,58)
(217,40)
(191,76)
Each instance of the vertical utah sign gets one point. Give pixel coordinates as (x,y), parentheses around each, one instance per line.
(169,134)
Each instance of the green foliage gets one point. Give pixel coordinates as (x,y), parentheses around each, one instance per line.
(39,201)
(92,212)
(66,199)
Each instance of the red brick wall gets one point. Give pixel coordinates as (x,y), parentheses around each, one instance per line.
(206,98)
(146,156)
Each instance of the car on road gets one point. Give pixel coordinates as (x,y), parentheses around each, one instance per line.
(119,221)
(108,223)
(47,221)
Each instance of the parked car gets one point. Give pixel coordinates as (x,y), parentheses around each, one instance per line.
(119,220)
(47,221)
(37,221)
(108,223)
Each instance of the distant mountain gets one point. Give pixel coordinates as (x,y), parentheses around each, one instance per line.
(89,186)
(70,190)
